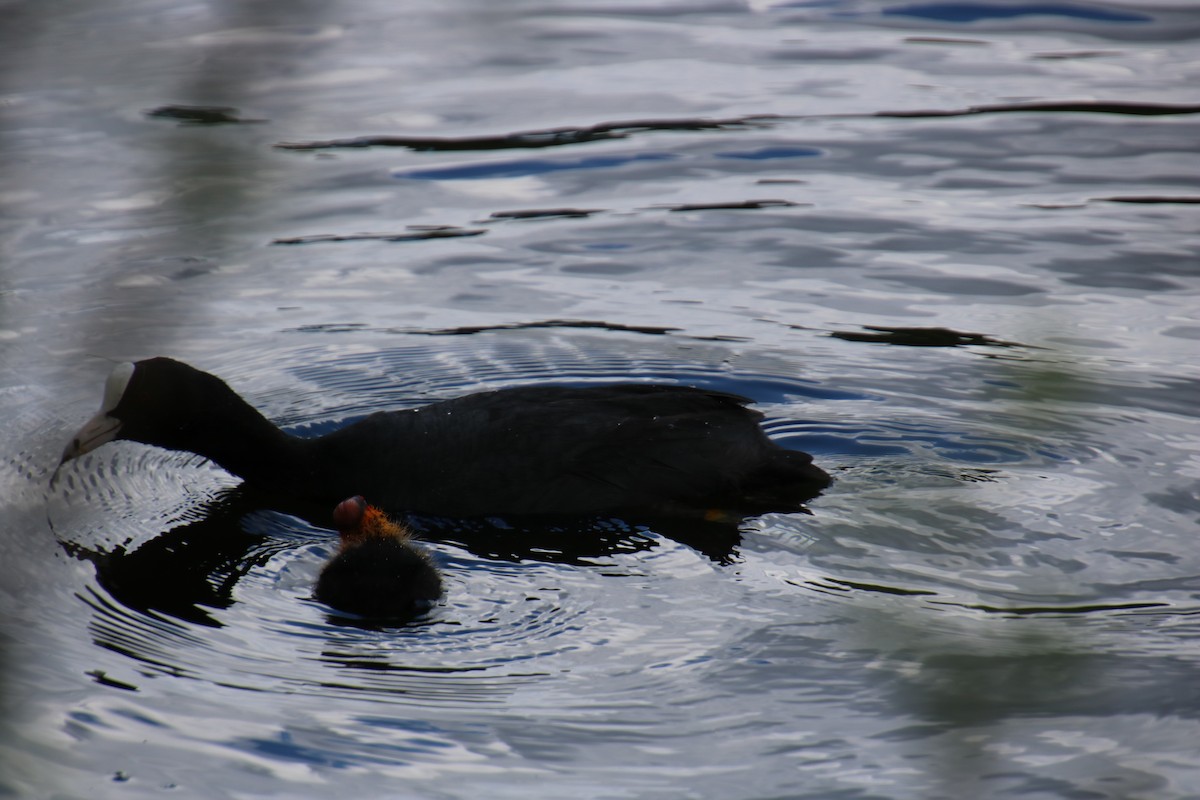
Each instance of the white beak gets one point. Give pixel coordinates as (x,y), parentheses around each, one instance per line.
(101,428)
(96,431)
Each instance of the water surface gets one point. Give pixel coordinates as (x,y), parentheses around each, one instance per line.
(949,248)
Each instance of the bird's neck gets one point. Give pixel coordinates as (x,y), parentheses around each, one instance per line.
(237,437)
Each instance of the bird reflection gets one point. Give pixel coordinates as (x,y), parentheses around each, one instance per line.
(191,569)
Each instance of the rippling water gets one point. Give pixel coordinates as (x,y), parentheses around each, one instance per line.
(948,248)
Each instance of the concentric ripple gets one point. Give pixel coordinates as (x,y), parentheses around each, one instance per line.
(192,582)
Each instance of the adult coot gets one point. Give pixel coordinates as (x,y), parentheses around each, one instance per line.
(638,449)
(377,572)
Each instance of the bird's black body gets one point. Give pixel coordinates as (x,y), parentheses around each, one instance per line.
(643,448)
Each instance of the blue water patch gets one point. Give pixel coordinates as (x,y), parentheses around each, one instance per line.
(973,12)
(909,440)
(523,167)
(859,446)
(284,746)
(780,390)
(607,246)
(760,388)
(767,153)
(87,718)
(834,444)
(139,717)
(315,428)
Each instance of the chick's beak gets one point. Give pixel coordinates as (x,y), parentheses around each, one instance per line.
(96,431)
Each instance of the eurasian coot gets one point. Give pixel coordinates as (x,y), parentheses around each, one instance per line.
(378,572)
(633,448)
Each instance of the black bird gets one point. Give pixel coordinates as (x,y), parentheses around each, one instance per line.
(378,572)
(642,449)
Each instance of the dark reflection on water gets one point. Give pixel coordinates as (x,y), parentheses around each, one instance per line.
(184,570)
(555,137)
(1083,106)
(416,234)
(200,115)
(920,337)
(181,570)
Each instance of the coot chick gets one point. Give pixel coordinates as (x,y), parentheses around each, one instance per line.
(377,572)
(633,449)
